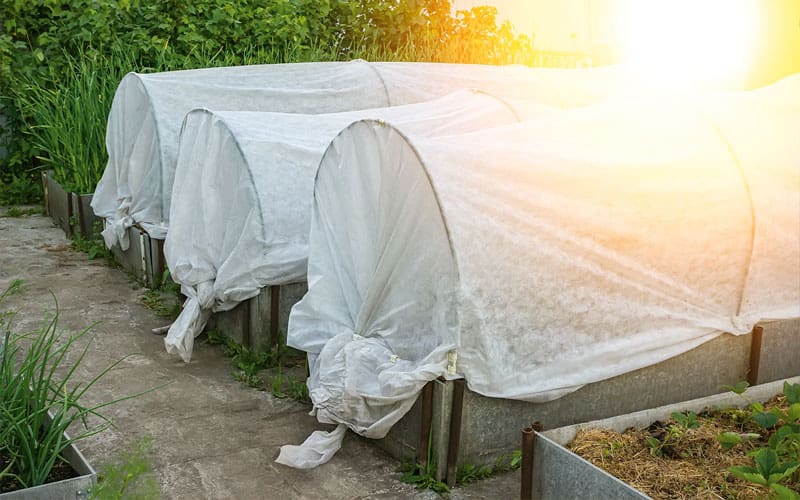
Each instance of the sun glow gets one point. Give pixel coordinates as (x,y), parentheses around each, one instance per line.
(682,44)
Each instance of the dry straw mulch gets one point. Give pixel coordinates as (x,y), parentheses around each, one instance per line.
(684,463)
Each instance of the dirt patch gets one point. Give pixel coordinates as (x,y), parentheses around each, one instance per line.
(667,460)
(61,470)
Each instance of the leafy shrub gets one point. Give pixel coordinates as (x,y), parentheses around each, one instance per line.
(62,59)
(19,189)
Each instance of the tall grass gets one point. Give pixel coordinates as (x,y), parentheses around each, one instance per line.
(36,379)
(68,110)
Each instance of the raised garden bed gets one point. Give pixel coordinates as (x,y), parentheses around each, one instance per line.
(71,479)
(558,472)
(144,257)
(260,323)
(72,212)
(483,429)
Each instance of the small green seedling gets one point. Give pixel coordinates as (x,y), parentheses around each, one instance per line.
(686,420)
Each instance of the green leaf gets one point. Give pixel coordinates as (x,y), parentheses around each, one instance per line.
(728,439)
(38,54)
(783,433)
(766,461)
(794,412)
(765,420)
(654,445)
(739,388)
(784,493)
(748,474)
(792,392)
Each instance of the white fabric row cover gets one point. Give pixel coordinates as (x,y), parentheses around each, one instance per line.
(148,110)
(241,202)
(535,258)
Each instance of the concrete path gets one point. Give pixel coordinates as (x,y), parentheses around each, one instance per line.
(212,437)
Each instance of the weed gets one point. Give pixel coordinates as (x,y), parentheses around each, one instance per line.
(283,385)
(129,476)
(516,459)
(686,420)
(613,447)
(163,304)
(250,363)
(276,386)
(93,247)
(22,212)
(298,390)
(215,337)
(422,477)
(665,438)
(168,285)
(469,473)
(253,381)
(165,300)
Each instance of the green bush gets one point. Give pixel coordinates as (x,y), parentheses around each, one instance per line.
(62,59)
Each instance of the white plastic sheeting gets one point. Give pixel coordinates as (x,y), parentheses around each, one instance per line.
(536,258)
(241,203)
(148,109)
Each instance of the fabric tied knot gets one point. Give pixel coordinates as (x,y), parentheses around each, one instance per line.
(116,230)
(192,319)
(740,325)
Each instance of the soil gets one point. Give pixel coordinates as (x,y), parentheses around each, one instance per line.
(61,470)
(684,463)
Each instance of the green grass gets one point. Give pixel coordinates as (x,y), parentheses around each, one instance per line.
(93,247)
(69,110)
(130,475)
(274,370)
(23,212)
(165,300)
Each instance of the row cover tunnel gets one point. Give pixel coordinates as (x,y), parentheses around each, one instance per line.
(530,231)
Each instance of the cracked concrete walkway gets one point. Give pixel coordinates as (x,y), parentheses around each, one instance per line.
(212,437)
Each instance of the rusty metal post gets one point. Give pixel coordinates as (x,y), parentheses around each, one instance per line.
(526,481)
(247,319)
(755,355)
(426,399)
(274,317)
(454,443)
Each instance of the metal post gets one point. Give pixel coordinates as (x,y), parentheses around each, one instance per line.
(526,481)
(274,316)
(426,399)
(247,321)
(455,431)
(755,354)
